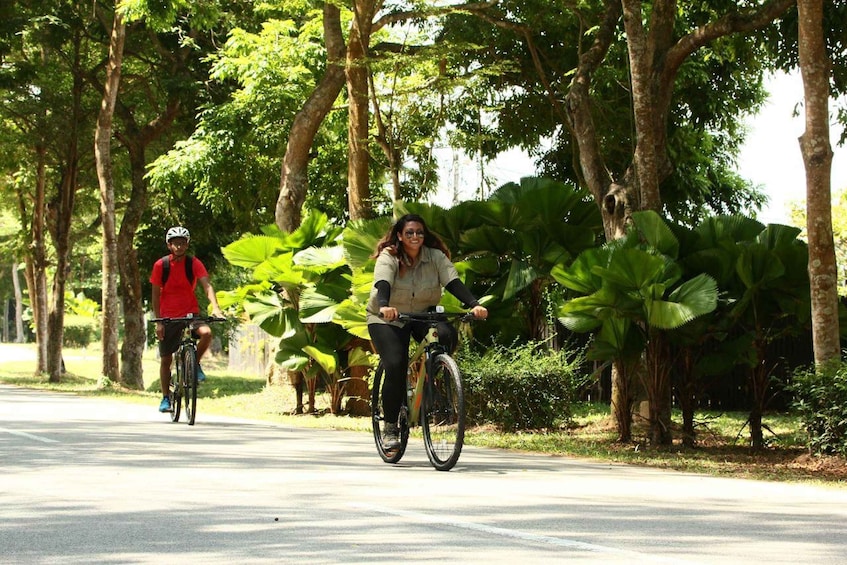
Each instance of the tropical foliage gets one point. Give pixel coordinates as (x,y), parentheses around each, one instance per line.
(631,291)
(298,282)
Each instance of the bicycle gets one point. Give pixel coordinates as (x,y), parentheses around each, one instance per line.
(184,385)
(434,398)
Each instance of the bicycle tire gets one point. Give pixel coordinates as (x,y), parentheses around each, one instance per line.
(190,384)
(443,414)
(378,418)
(176,388)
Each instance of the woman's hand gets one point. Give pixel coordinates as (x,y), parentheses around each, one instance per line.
(480,312)
(388,313)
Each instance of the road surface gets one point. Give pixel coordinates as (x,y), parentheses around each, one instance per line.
(86,480)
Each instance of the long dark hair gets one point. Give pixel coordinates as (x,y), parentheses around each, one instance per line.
(391,241)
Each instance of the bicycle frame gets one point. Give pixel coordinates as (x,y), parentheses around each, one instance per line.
(434,397)
(420,361)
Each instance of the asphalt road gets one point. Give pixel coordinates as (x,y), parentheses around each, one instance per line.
(93,480)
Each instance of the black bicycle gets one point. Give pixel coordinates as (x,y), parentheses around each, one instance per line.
(434,398)
(184,383)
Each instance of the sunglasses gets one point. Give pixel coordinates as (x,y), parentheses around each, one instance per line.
(413,233)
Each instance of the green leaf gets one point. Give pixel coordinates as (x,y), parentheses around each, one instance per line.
(268,311)
(632,269)
(351,317)
(316,308)
(359,357)
(324,356)
(361,238)
(321,259)
(252,251)
(693,298)
(580,275)
(656,232)
(520,276)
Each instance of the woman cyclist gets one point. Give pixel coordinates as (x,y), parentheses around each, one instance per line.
(412,267)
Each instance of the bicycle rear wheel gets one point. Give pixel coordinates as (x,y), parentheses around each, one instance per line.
(176,389)
(190,380)
(378,420)
(443,414)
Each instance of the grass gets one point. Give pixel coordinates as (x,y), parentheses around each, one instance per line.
(721,449)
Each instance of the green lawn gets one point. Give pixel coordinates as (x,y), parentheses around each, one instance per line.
(721,447)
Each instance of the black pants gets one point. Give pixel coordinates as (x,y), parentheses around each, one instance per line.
(392,345)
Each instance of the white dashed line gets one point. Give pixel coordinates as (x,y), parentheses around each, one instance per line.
(515,534)
(28,436)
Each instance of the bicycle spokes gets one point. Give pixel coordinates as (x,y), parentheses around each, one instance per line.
(443,417)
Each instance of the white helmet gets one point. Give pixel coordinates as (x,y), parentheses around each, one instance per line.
(177,231)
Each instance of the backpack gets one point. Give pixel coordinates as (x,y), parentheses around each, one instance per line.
(189,268)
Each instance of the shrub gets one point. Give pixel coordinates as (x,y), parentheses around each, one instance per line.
(80,331)
(521,387)
(821,399)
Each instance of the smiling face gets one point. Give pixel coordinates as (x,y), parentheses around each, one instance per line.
(412,237)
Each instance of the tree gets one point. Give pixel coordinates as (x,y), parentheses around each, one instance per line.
(762,274)
(817,159)
(294,181)
(632,291)
(103,155)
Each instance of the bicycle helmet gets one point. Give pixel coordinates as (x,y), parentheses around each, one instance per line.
(177,231)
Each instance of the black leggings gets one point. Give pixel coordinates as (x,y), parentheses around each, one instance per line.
(392,345)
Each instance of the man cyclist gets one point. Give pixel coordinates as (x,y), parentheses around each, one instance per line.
(174,282)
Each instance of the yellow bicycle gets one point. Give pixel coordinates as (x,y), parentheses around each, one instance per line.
(434,399)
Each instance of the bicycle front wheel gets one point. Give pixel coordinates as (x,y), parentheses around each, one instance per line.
(190,388)
(378,421)
(443,414)
(176,389)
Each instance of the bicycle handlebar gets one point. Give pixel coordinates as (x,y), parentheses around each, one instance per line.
(190,318)
(436,316)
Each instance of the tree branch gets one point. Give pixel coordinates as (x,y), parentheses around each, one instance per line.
(735,22)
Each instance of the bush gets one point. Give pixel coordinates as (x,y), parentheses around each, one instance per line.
(80,331)
(522,386)
(821,399)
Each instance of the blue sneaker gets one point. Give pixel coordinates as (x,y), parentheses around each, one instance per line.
(201,376)
(165,405)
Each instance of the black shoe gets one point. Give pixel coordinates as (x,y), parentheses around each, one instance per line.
(390,437)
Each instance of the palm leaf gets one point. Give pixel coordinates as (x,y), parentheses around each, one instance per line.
(656,232)
(251,251)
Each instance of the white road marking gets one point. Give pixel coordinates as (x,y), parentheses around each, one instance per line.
(28,436)
(517,534)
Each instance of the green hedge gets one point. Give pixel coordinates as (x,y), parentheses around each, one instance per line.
(522,387)
(80,331)
(821,399)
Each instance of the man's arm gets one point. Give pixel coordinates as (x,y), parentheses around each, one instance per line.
(157,295)
(156,300)
(210,294)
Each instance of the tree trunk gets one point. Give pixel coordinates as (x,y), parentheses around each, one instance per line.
(817,159)
(294,181)
(622,399)
(658,387)
(37,280)
(60,226)
(358,187)
(643,89)
(135,335)
(19,305)
(103,156)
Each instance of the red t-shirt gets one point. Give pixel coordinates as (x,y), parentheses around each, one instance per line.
(177,298)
